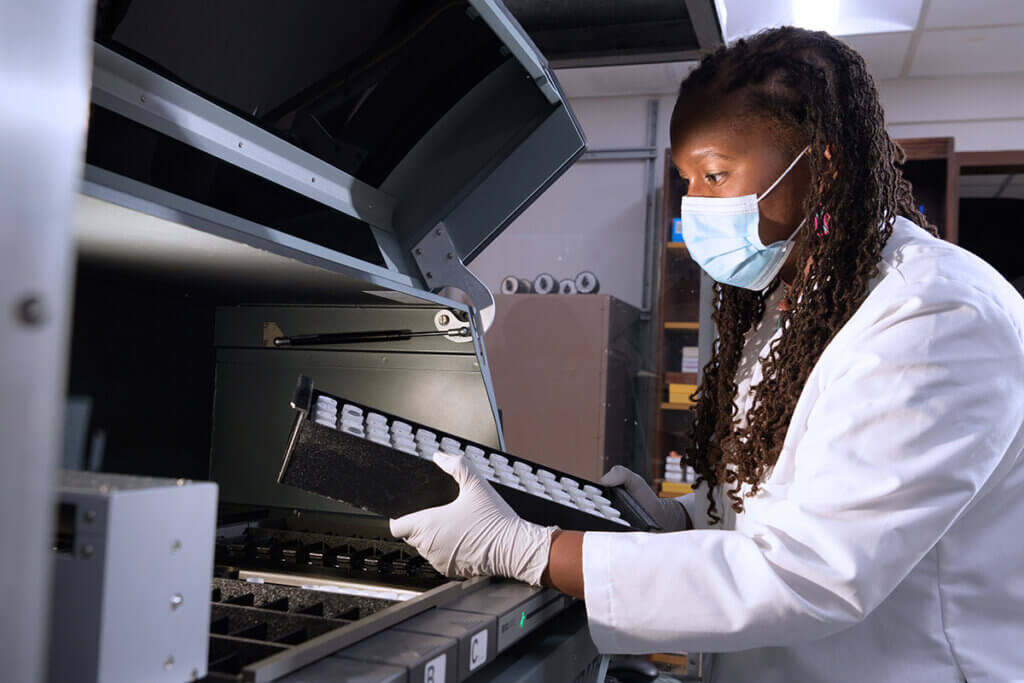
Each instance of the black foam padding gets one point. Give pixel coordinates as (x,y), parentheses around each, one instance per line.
(359,472)
(299,600)
(390,482)
(271,627)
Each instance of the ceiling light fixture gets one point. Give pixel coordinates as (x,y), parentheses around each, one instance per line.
(817,15)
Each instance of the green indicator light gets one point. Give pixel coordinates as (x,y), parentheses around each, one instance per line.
(522,620)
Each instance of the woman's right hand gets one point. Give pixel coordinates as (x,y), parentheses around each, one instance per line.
(669,513)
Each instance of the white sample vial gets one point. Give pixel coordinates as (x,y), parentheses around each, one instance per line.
(474,452)
(354,431)
(568,483)
(586,504)
(520,466)
(449,442)
(376,418)
(407,449)
(609,511)
(554,489)
(592,490)
(425,435)
(352,410)
(404,444)
(534,487)
(600,500)
(383,441)
(325,422)
(496,458)
(619,520)
(323,398)
(544,474)
(576,494)
(399,427)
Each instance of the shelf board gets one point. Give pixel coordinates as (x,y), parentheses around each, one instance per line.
(682,326)
(688,405)
(680,377)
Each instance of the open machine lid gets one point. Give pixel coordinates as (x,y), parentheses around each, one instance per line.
(401,135)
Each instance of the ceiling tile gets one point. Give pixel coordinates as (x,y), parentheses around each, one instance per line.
(970,51)
(959,14)
(883,52)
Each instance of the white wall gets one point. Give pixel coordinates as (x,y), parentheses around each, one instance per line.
(593,217)
(982,113)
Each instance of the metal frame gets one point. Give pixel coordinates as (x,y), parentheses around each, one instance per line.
(704,18)
(299,656)
(132,194)
(131,90)
(500,20)
(44,95)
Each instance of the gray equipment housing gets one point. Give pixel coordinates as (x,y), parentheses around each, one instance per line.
(131,590)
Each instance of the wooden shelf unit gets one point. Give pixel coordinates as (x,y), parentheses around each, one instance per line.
(678,310)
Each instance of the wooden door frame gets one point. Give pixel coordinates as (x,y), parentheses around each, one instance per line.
(918,149)
(991,163)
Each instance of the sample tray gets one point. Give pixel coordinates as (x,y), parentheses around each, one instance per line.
(382,463)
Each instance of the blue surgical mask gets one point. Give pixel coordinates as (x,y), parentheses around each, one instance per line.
(721,234)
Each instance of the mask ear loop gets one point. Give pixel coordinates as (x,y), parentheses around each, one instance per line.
(788,169)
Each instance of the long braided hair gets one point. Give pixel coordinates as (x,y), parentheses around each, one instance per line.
(817,91)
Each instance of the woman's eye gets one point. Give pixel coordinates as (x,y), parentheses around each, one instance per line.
(713,178)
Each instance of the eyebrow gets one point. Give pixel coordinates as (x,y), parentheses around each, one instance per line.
(710,152)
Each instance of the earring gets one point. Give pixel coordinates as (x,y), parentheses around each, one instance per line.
(822,222)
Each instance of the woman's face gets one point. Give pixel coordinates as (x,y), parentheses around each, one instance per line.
(723,151)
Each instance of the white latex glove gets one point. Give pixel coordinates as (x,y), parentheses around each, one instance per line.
(669,513)
(477,534)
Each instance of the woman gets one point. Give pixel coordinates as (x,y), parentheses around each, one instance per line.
(860,418)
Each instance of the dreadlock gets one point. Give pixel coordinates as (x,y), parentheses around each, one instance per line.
(817,91)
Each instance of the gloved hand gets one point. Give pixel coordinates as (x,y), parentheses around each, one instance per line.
(477,534)
(669,513)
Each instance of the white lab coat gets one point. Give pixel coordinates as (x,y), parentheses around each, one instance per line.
(886,543)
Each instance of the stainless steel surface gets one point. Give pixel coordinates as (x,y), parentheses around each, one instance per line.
(705,24)
(431,380)
(181,216)
(132,578)
(441,265)
(44,86)
(476,635)
(562,651)
(473,171)
(329,643)
(136,92)
(427,658)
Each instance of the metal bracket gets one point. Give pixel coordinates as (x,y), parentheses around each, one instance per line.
(442,266)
